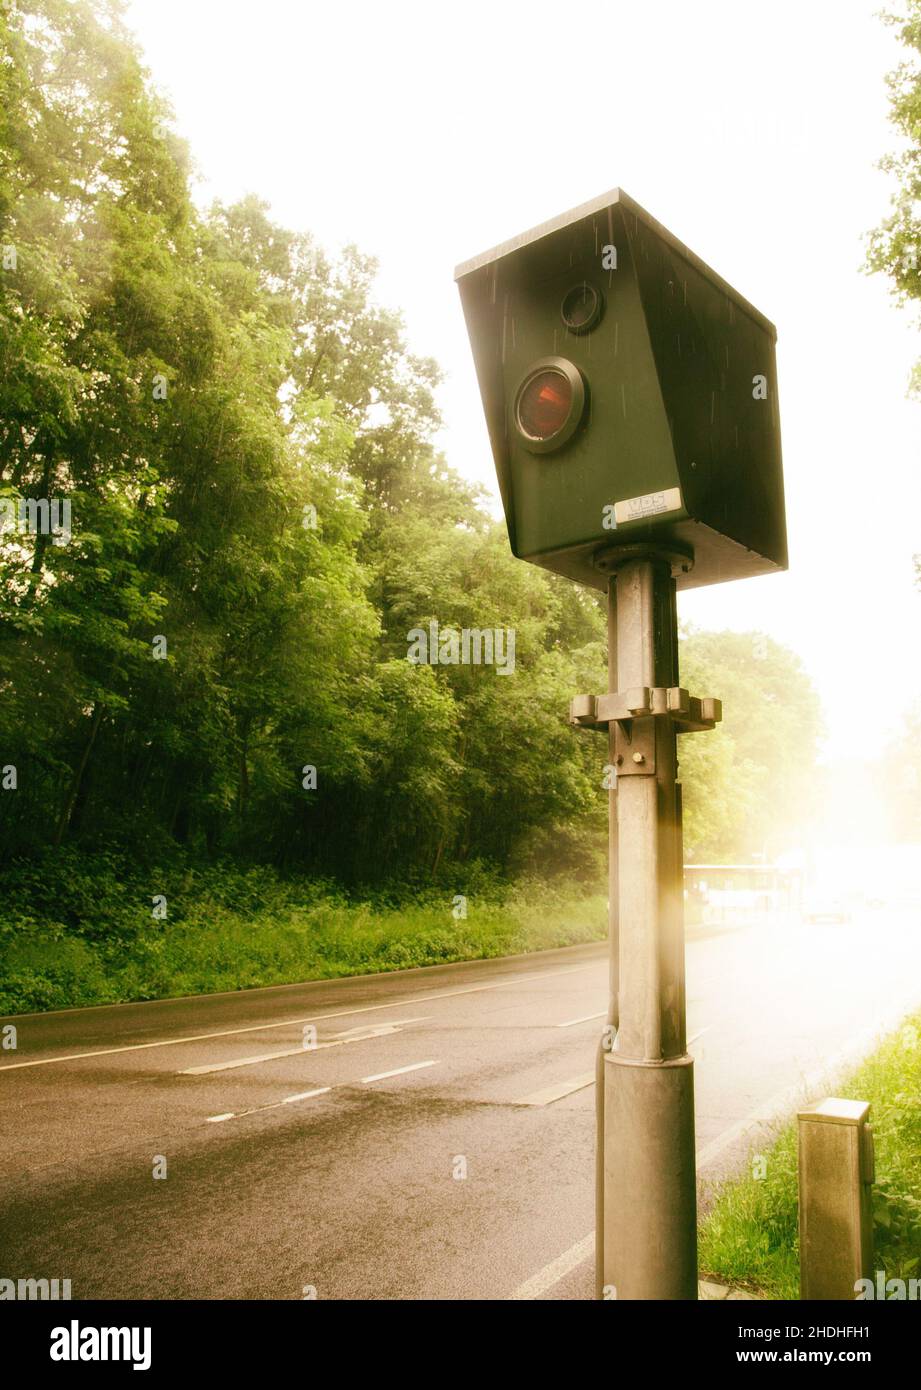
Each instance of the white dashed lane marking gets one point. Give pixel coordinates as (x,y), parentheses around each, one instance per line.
(273,1105)
(397,1071)
(318,1091)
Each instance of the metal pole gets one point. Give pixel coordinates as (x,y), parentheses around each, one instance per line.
(647,1231)
(613,961)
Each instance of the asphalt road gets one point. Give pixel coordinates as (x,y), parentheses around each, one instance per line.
(437,1141)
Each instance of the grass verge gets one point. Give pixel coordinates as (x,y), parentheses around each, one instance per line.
(227,929)
(749,1237)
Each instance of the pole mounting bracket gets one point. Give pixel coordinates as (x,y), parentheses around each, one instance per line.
(689,714)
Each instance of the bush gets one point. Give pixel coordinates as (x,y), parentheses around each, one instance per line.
(229,928)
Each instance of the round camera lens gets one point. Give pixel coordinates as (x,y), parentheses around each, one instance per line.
(544,404)
(581,308)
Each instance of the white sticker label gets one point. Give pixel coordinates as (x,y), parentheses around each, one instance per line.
(639,508)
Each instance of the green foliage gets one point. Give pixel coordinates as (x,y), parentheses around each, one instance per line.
(196,386)
(894,248)
(259,520)
(749,1237)
(229,928)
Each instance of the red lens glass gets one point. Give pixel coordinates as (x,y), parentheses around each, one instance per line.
(545,404)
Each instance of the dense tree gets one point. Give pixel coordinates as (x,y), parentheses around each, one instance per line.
(259,521)
(895,250)
(895,246)
(244,442)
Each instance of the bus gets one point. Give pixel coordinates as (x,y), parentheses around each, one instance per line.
(713,892)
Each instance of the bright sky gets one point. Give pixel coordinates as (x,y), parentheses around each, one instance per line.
(427,132)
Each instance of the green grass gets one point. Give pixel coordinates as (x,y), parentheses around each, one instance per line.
(93,939)
(749,1236)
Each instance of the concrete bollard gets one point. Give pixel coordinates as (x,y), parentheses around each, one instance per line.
(836,1173)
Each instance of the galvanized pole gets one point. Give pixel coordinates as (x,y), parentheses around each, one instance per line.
(647,1226)
(610,1027)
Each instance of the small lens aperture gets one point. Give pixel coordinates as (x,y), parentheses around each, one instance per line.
(581,308)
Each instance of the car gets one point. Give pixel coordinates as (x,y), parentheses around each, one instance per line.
(826,906)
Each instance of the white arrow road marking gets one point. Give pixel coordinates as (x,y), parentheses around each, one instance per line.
(353,1035)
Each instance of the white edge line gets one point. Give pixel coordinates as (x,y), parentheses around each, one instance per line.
(571,1022)
(552,1273)
(310,1018)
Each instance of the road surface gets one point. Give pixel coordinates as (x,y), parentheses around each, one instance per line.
(433,1139)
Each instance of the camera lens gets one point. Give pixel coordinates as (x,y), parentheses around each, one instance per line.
(544,404)
(581,308)
(549,404)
